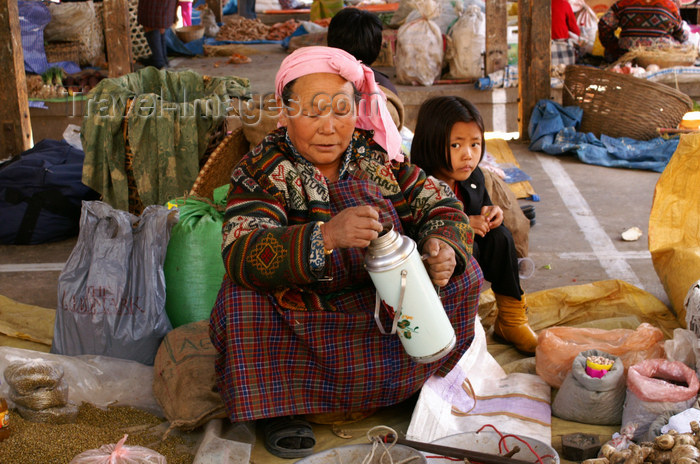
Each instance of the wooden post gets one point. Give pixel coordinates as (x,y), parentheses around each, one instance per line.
(117,38)
(534,58)
(218,9)
(15,126)
(496,35)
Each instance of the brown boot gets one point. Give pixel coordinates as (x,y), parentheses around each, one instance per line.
(511,323)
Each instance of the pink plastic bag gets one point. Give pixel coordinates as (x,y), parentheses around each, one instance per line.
(558,346)
(662,381)
(655,386)
(119,454)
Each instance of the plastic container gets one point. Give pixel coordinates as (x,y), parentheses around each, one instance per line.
(691,120)
(526,267)
(4,420)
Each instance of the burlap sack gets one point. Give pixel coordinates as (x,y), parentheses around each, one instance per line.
(184,378)
(513,217)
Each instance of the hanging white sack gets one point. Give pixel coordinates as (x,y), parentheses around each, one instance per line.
(419,52)
(466,45)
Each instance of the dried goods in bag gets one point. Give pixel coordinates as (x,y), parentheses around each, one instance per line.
(25,377)
(466,44)
(419,50)
(119,453)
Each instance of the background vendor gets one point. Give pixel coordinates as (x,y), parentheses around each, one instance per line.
(642,23)
(563,20)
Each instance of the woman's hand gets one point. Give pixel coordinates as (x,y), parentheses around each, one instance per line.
(480,225)
(440,260)
(493,215)
(351,228)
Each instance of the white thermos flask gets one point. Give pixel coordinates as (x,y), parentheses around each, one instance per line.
(403,285)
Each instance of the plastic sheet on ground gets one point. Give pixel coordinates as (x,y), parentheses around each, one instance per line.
(674,223)
(504,155)
(554,130)
(99,380)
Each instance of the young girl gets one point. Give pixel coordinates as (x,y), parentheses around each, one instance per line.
(448,144)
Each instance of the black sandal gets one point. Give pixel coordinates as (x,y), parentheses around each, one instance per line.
(287,437)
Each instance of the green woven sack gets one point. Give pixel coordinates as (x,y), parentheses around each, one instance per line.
(193,265)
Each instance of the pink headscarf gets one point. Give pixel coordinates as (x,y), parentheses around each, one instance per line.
(309,60)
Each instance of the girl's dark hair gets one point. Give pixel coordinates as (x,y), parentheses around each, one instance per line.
(358,32)
(430,148)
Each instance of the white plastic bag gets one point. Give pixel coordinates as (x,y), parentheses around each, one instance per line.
(119,453)
(587,23)
(97,380)
(419,52)
(208,20)
(476,392)
(72,136)
(466,44)
(683,347)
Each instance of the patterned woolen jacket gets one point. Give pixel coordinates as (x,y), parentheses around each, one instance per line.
(271,236)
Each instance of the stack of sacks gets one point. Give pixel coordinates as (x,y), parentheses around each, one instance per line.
(39,392)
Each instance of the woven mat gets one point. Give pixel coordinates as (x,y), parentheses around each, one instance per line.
(501,151)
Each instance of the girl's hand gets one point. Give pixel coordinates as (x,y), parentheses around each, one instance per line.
(493,215)
(480,225)
(351,228)
(441,261)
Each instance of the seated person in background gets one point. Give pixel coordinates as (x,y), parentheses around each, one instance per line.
(563,20)
(359,33)
(642,23)
(449,144)
(293,323)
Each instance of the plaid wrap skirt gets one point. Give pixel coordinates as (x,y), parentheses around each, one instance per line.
(274,361)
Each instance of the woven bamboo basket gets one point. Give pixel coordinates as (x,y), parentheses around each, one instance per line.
(664,56)
(189,33)
(217,170)
(620,105)
(62,51)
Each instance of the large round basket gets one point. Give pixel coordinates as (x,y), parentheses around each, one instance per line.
(217,170)
(620,105)
(665,57)
(190,33)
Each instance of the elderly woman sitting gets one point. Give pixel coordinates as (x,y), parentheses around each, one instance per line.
(293,323)
(643,23)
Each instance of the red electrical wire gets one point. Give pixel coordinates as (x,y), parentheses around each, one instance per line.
(502,442)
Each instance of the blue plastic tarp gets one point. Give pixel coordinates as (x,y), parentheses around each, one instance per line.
(553,130)
(33,18)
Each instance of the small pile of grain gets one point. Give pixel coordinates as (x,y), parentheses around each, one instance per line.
(58,444)
(238,28)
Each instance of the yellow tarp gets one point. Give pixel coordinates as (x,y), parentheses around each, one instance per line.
(606,304)
(25,326)
(674,223)
(501,151)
